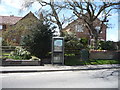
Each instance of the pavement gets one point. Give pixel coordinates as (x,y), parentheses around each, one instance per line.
(53,68)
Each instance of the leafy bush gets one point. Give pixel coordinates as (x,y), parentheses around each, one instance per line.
(4,43)
(73,45)
(107,45)
(118,43)
(72,42)
(84,41)
(20,53)
(39,40)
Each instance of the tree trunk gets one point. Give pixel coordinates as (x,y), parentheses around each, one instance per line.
(60,29)
(96,42)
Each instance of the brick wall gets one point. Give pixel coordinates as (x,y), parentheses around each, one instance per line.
(104,54)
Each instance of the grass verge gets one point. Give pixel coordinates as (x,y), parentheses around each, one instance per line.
(74,61)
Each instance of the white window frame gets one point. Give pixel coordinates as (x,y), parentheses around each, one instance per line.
(79,28)
(97,28)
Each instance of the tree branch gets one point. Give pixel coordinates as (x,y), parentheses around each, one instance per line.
(104,7)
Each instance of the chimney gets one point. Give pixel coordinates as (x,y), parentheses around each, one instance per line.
(11,15)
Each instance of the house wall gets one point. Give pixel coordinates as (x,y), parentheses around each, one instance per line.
(21,25)
(71,29)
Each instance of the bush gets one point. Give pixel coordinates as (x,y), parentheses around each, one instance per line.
(73,45)
(84,41)
(118,43)
(20,53)
(72,42)
(4,43)
(39,40)
(107,45)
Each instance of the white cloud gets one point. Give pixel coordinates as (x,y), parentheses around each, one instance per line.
(18,4)
(14,3)
(4,14)
(3,11)
(112,35)
(36,6)
(115,14)
(2,8)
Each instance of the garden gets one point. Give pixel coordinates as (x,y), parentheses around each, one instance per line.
(72,54)
(35,45)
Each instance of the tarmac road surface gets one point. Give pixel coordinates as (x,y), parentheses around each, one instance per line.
(107,78)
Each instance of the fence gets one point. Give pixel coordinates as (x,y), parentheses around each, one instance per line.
(6,50)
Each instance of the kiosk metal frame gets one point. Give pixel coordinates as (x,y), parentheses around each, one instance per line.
(57,50)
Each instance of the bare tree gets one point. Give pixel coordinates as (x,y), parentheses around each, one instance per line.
(89,12)
(51,11)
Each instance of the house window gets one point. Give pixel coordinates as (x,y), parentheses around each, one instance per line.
(97,28)
(79,28)
(101,32)
(1,27)
(4,26)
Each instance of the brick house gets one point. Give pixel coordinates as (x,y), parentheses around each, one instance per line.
(5,22)
(77,27)
(21,24)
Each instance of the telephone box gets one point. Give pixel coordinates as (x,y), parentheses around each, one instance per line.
(57,50)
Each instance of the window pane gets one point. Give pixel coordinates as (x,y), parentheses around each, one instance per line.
(97,28)
(0,27)
(79,28)
(4,26)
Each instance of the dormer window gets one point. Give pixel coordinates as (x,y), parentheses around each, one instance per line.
(79,28)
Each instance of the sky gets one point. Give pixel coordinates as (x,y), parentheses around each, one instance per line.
(12,7)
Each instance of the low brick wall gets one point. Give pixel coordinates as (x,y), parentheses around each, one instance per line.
(104,54)
(21,63)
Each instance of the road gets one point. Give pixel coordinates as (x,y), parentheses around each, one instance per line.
(66,79)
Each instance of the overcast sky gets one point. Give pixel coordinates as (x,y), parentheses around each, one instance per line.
(12,7)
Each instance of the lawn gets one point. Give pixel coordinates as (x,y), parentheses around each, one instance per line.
(74,61)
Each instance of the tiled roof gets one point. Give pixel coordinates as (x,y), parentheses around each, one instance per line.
(9,19)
